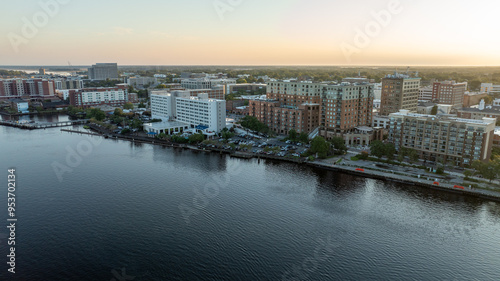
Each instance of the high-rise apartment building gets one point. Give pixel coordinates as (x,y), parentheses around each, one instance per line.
(103,71)
(29,88)
(399,91)
(304,107)
(443,139)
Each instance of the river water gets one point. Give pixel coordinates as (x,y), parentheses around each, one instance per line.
(97,209)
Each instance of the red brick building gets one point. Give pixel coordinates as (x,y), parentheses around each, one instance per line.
(333,109)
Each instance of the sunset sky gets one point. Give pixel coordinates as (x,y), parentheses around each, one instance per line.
(251,32)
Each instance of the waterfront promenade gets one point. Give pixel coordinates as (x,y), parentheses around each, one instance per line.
(410,176)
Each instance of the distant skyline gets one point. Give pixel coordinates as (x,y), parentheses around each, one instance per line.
(250,32)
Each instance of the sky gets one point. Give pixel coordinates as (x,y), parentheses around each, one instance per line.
(250,32)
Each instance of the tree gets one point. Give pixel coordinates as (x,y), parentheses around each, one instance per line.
(128,105)
(490,170)
(226,134)
(468,174)
(196,138)
(412,154)
(125,131)
(292,135)
(434,110)
(241,81)
(161,86)
(377,149)
(252,123)
(136,123)
(339,145)
(320,146)
(303,137)
(96,113)
(389,151)
(142,105)
(118,112)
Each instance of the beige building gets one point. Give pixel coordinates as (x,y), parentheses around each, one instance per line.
(443,139)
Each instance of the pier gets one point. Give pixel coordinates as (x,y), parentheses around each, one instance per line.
(33,126)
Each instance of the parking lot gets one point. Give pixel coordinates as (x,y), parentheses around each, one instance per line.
(262,145)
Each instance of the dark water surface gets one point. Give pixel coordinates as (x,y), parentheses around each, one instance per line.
(121,210)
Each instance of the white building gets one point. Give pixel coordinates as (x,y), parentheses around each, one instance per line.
(490,88)
(20,105)
(200,113)
(425,94)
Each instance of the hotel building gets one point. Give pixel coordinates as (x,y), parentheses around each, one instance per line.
(200,112)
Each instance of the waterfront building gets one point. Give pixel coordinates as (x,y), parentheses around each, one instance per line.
(103,71)
(331,109)
(19,105)
(200,112)
(27,88)
(443,138)
(399,91)
(88,97)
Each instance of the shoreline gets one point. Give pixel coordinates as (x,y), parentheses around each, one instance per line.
(366,173)
(347,169)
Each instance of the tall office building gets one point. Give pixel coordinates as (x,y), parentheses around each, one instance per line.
(449,92)
(103,71)
(399,91)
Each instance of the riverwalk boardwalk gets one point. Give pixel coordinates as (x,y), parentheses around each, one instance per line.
(42,125)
